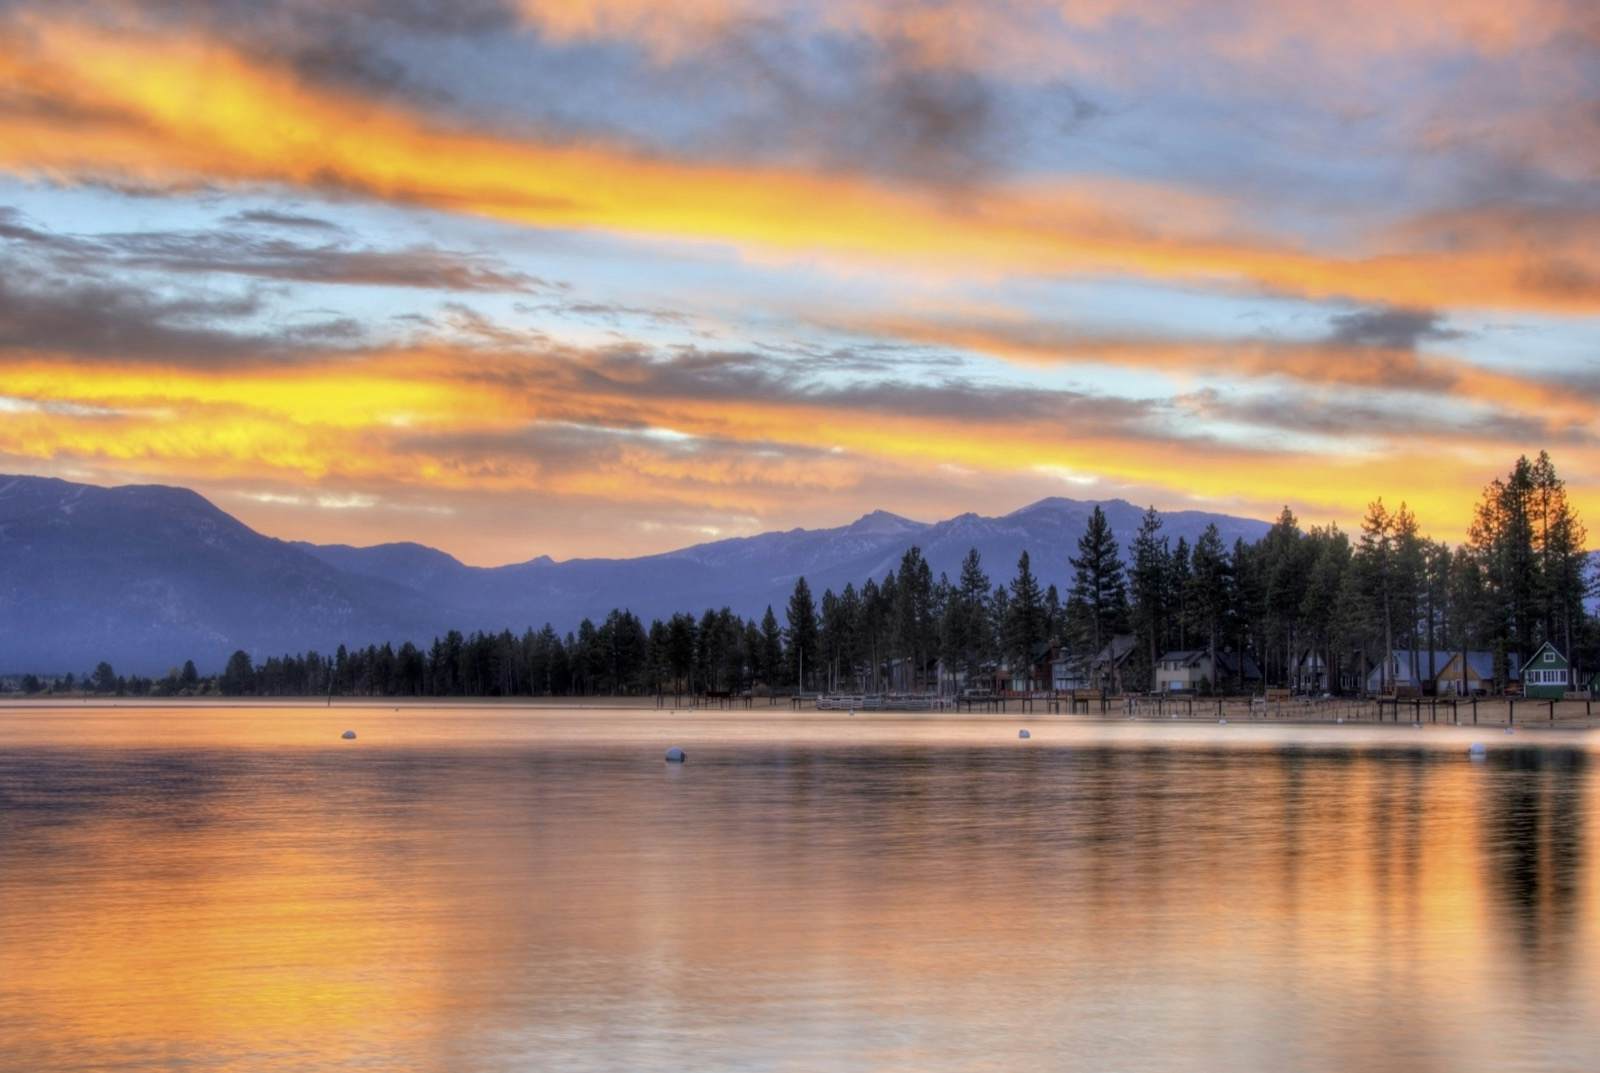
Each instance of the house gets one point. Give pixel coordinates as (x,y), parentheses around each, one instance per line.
(1353,671)
(1394,672)
(1547,675)
(1436,670)
(1107,666)
(903,675)
(1310,673)
(1039,674)
(1191,671)
(1472,676)
(1068,672)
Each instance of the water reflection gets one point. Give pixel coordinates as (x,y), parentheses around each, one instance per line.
(925,903)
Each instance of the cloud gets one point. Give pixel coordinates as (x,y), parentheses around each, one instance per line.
(1388,329)
(273,218)
(243,252)
(181,111)
(1368,350)
(96,320)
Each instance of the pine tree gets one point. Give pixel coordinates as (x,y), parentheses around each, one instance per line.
(1152,563)
(802,634)
(1286,563)
(1208,590)
(1374,562)
(1409,567)
(969,615)
(1178,581)
(1024,620)
(1098,588)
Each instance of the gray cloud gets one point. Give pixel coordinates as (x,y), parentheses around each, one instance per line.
(1346,417)
(273,218)
(1388,328)
(245,251)
(111,320)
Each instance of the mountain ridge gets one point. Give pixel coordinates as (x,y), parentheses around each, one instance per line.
(149,575)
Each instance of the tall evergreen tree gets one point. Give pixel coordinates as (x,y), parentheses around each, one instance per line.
(1178,582)
(1098,587)
(1208,590)
(1025,620)
(1152,565)
(1375,568)
(802,635)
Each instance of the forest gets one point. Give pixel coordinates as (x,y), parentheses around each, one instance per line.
(1520,578)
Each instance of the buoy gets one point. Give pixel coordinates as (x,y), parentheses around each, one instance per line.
(1222,722)
(1477,751)
(1023,734)
(1341,720)
(348,735)
(675,755)
(1510,730)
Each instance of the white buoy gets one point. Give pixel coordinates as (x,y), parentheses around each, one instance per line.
(675,755)
(348,735)
(1510,730)
(1222,722)
(1477,751)
(1341,720)
(1024,734)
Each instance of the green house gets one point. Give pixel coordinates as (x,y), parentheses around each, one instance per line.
(1547,675)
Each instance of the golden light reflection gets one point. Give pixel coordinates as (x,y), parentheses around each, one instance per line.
(473,888)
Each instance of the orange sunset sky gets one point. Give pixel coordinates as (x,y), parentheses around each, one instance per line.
(521,277)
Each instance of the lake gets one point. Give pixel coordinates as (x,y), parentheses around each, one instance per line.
(487,889)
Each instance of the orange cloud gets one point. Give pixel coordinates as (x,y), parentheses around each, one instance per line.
(85,105)
(1312,363)
(442,423)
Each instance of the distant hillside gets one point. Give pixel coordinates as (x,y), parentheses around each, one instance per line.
(146,576)
(749,573)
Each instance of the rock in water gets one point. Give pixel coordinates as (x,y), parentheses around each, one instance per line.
(348,735)
(675,755)
(1023,734)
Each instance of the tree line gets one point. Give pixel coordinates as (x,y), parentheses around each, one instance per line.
(1520,578)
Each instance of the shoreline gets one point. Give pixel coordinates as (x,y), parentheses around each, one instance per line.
(1575,717)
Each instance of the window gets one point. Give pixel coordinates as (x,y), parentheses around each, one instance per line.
(1549,657)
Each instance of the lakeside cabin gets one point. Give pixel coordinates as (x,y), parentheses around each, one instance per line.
(1408,673)
(1476,678)
(1548,675)
(1191,671)
(1102,671)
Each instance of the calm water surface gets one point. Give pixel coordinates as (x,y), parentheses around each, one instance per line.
(485,890)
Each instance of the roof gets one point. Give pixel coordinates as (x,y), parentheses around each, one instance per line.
(1117,649)
(1481,663)
(1538,653)
(1227,662)
(1243,665)
(1183,657)
(1431,664)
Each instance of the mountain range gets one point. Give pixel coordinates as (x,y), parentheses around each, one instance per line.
(146,576)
